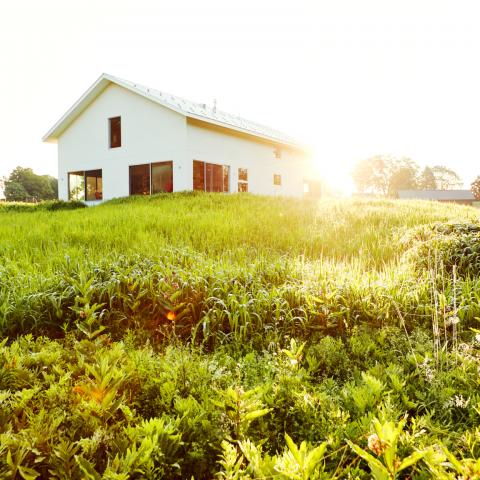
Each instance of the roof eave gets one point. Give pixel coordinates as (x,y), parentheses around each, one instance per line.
(245,131)
(76,109)
(87,98)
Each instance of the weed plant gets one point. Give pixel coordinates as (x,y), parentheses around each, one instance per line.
(209,336)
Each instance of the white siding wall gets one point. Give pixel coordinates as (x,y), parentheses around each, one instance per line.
(150,133)
(213,146)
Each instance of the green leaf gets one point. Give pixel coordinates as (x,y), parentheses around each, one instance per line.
(412,459)
(293,448)
(257,413)
(28,473)
(87,469)
(314,457)
(371,460)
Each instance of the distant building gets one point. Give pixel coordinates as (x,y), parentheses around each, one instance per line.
(121,138)
(464,197)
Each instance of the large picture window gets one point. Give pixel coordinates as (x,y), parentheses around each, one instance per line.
(210,177)
(151,178)
(85,185)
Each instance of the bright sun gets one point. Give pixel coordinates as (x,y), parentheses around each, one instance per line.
(335,173)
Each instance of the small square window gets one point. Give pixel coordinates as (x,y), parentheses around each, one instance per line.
(242,175)
(242,186)
(115,124)
(277,179)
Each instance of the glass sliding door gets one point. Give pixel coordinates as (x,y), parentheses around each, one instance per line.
(140,179)
(162,177)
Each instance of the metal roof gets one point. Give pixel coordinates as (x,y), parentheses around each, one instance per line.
(199,111)
(436,194)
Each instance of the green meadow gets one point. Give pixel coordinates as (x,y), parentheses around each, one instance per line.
(239,337)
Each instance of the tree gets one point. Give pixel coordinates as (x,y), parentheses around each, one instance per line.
(372,174)
(427,180)
(403,176)
(38,187)
(15,192)
(445,178)
(385,175)
(476,188)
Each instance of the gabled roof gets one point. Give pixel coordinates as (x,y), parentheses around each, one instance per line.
(198,111)
(436,194)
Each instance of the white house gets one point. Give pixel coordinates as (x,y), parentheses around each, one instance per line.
(121,139)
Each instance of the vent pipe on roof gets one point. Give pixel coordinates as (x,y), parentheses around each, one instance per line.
(214,105)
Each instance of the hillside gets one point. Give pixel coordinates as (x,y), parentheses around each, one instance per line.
(194,335)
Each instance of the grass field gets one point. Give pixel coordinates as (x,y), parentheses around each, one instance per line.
(201,335)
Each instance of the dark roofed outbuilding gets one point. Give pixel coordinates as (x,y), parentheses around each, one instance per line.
(465,197)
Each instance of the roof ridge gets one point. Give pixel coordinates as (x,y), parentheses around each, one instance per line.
(208,112)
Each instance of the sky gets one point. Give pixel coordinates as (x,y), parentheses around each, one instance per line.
(350,78)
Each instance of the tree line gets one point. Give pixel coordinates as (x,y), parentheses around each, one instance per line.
(386,175)
(23,185)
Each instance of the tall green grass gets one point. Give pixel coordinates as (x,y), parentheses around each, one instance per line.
(209,336)
(238,267)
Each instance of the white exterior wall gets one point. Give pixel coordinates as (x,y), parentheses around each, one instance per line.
(153,133)
(213,146)
(150,133)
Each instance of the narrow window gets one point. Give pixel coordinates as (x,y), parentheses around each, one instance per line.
(76,186)
(226,178)
(140,179)
(242,180)
(93,185)
(162,177)
(115,132)
(277,179)
(198,175)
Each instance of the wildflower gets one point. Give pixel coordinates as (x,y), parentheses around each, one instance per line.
(457,401)
(171,316)
(376,445)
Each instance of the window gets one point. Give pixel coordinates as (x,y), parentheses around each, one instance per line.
(198,175)
(210,177)
(151,178)
(76,186)
(93,185)
(115,132)
(85,185)
(162,177)
(277,179)
(140,179)
(242,180)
